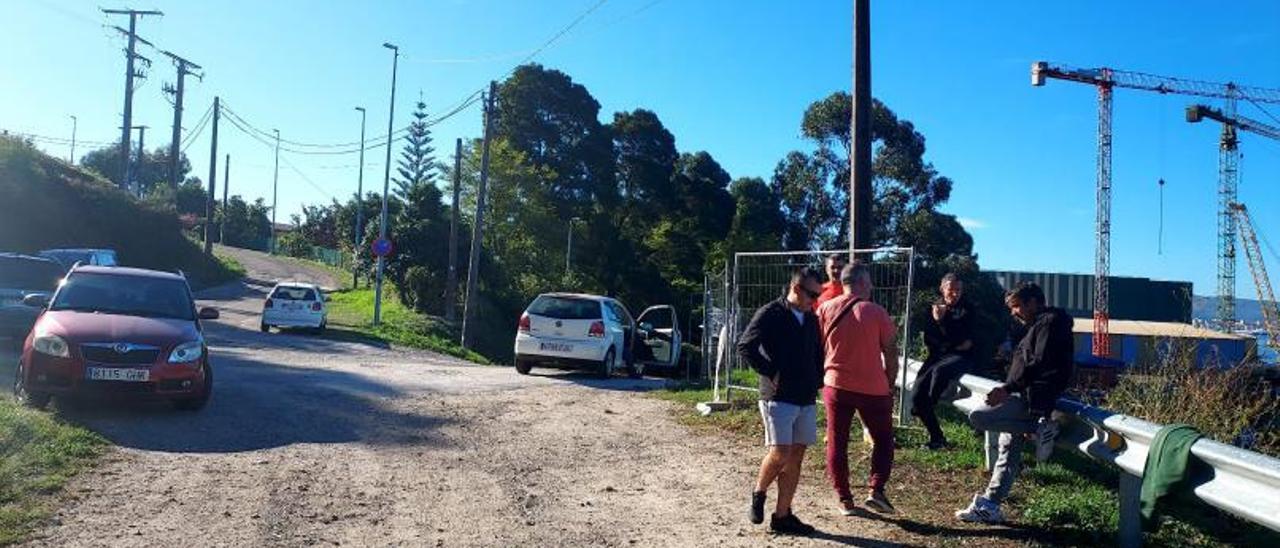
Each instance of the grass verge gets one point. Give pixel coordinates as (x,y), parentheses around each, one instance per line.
(351,315)
(38,454)
(1069,500)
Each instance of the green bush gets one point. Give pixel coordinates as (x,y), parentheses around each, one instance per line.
(294,245)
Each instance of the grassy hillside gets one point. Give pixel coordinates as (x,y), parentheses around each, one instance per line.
(45,203)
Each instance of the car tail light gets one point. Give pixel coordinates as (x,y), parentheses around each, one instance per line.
(269,304)
(525,324)
(315,307)
(597,330)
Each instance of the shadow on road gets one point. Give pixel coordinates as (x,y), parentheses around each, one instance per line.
(1008,531)
(588,379)
(222,334)
(259,405)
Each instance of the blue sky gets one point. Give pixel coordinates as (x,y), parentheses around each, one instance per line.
(729,77)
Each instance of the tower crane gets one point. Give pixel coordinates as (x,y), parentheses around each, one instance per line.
(1106,80)
(1266,298)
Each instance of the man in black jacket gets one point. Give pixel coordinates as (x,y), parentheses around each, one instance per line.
(949,339)
(783,346)
(1039,372)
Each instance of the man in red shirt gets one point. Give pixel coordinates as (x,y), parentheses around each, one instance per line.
(861,361)
(833,288)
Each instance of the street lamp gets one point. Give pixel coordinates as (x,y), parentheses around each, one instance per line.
(72,160)
(355,250)
(386,183)
(568,251)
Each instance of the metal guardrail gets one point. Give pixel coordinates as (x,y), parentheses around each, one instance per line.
(1243,483)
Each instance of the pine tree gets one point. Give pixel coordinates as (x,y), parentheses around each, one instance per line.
(417,165)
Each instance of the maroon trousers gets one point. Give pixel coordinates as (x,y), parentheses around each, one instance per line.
(877,415)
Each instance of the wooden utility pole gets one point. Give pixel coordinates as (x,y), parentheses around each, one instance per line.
(860,156)
(226,185)
(477,232)
(184,68)
(130,55)
(213,178)
(451,287)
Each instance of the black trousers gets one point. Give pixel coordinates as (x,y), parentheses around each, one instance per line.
(931,384)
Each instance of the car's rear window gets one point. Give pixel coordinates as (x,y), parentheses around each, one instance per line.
(125,295)
(29,274)
(287,293)
(565,308)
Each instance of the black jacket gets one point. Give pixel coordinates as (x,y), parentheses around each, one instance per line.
(956,326)
(1043,360)
(774,343)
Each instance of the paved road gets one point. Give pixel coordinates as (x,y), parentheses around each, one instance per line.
(314,442)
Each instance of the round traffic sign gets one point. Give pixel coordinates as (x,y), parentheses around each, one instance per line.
(382,247)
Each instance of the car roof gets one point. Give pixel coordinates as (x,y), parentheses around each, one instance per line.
(597,298)
(298,284)
(78,250)
(128,271)
(24,257)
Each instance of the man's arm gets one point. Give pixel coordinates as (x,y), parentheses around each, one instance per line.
(749,345)
(1033,366)
(889,348)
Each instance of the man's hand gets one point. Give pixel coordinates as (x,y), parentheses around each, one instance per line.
(998,396)
(776,377)
(938,311)
(891,373)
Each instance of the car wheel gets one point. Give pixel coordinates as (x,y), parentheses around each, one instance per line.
(197,403)
(265,328)
(34,400)
(608,364)
(523,367)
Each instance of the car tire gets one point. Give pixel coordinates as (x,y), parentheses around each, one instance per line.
(608,364)
(197,403)
(34,400)
(265,328)
(523,367)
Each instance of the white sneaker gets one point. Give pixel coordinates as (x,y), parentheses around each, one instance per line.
(1046,435)
(981,510)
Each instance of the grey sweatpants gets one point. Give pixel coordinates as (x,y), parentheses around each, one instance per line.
(1011,419)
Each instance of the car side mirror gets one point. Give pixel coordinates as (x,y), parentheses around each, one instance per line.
(209,313)
(36,300)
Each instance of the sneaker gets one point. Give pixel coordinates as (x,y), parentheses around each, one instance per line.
(756,514)
(981,510)
(848,507)
(1046,435)
(790,525)
(880,503)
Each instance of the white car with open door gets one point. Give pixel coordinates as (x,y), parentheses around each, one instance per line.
(576,331)
(295,304)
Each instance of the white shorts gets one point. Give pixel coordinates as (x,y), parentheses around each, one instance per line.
(788,423)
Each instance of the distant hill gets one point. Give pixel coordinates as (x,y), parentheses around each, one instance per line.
(1206,308)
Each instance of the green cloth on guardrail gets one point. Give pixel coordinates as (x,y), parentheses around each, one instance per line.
(1166,465)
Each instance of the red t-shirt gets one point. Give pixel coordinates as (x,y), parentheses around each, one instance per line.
(853,349)
(830,290)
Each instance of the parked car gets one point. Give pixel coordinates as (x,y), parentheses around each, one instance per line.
(87,257)
(114,330)
(22,275)
(575,331)
(295,304)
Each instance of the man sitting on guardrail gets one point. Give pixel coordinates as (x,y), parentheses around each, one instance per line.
(781,344)
(1039,372)
(949,339)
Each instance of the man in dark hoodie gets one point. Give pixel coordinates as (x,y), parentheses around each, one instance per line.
(949,339)
(1039,372)
(782,345)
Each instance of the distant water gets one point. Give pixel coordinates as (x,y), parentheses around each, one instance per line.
(1265,352)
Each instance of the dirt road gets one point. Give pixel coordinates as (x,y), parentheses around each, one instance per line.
(313,442)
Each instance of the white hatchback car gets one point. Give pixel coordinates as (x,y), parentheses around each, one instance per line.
(295,304)
(575,331)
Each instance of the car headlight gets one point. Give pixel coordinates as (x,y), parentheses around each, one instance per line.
(52,345)
(187,352)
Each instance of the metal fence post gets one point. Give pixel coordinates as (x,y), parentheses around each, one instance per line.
(1130,532)
(904,418)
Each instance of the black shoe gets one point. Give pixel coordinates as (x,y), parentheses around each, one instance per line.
(756,514)
(790,525)
(937,445)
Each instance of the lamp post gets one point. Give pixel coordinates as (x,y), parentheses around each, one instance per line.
(568,251)
(355,249)
(386,183)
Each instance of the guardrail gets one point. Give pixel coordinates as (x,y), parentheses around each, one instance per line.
(1239,482)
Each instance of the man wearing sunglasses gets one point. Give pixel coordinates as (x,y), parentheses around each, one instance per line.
(861,351)
(781,344)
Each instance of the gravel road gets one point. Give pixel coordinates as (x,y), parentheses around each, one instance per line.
(314,442)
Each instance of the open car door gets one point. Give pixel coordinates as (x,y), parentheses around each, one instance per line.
(658,337)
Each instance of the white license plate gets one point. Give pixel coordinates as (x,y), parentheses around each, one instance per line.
(555,347)
(118,374)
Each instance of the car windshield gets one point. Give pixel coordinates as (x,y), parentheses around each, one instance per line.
(125,295)
(68,257)
(565,308)
(29,274)
(287,293)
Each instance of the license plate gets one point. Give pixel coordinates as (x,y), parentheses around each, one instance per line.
(292,306)
(118,374)
(555,347)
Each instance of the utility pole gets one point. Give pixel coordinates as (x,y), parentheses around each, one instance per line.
(137,163)
(130,54)
(226,185)
(275,185)
(860,157)
(386,184)
(72,159)
(451,287)
(184,68)
(355,249)
(477,232)
(568,249)
(213,178)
